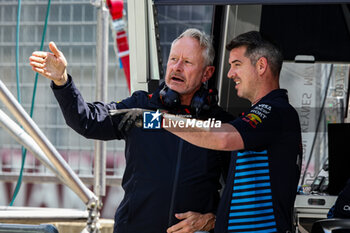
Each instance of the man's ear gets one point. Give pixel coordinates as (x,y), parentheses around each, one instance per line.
(208,72)
(261,65)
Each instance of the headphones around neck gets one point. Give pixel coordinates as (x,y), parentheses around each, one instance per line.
(203,99)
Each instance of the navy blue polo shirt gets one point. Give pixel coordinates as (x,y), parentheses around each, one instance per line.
(262,182)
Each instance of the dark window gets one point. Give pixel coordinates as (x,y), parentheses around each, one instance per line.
(175,19)
(318,30)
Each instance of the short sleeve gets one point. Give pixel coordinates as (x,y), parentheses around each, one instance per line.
(260,126)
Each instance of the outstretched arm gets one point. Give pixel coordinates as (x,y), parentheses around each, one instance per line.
(50,65)
(225,137)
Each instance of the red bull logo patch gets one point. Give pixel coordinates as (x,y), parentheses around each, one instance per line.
(252,119)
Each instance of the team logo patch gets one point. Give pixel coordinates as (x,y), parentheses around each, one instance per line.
(257,115)
(254,118)
(152,120)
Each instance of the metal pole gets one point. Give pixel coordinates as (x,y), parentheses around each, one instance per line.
(27,141)
(33,130)
(101,95)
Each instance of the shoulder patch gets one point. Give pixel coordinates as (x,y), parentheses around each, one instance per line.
(262,110)
(257,114)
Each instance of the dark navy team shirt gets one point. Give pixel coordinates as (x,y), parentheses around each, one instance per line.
(262,182)
(155,160)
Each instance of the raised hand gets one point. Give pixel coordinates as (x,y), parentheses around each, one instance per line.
(50,65)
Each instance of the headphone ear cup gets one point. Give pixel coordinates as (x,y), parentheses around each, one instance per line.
(203,99)
(213,98)
(199,100)
(169,98)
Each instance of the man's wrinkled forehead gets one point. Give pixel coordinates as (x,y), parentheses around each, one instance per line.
(187,47)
